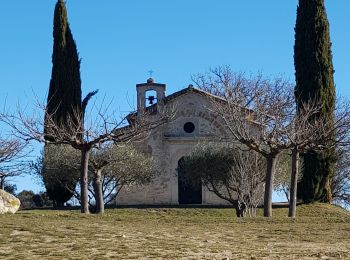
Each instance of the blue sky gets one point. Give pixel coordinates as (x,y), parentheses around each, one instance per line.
(120,41)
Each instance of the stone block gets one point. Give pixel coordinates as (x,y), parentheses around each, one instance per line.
(8,203)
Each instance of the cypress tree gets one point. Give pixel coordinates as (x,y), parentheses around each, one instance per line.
(64,97)
(315,82)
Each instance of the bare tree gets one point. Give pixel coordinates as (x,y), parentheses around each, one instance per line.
(315,134)
(83,133)
(260,113)
(341,180)
(248,178)
(231,173)
(12,153)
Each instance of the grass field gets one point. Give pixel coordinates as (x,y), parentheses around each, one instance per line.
(319,231)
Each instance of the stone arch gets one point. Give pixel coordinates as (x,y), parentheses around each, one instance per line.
(206,124)
(149,86)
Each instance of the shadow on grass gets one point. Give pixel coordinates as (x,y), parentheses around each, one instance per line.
(162,206)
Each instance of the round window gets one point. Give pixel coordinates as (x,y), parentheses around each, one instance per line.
(189,127)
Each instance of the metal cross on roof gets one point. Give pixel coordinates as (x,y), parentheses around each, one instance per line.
(150,73)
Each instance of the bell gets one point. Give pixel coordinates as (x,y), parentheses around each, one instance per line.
(151,100)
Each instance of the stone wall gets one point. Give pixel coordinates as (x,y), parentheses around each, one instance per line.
(168,144)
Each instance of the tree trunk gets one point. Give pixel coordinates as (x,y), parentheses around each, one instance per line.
(98,192)
(238,208)
(270,172)
(239,211)
(2,183)
(84,181)
(57,204)
(327,198)
(293,183)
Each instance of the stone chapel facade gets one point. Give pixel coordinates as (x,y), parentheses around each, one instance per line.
(169,143)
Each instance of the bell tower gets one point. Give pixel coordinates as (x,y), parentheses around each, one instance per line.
(143,101)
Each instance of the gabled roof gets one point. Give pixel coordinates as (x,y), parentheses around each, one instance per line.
(173,96)
(190,89)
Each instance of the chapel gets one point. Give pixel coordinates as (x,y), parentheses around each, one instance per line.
(168,143)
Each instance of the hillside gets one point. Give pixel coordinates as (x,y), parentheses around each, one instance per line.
(319,231)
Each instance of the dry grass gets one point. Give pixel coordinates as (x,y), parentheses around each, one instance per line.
(320,231)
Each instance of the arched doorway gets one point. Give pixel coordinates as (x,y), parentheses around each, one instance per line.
(188,192)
